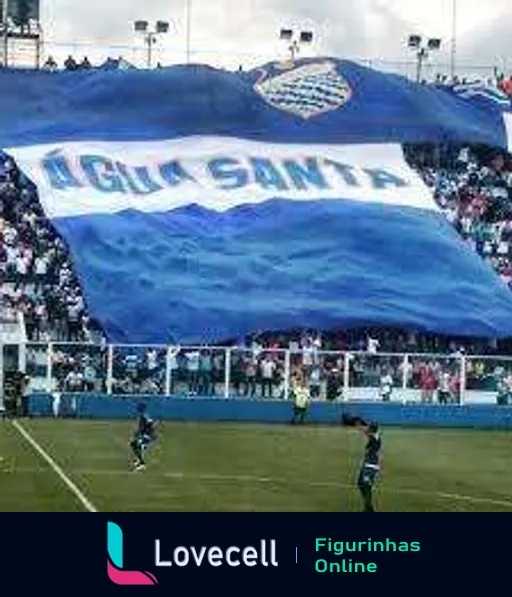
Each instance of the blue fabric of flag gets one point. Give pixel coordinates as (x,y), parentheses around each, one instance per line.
(200,274)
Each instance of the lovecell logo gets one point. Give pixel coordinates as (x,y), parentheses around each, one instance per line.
(115,561)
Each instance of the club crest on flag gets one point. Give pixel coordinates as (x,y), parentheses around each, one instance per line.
(306,91)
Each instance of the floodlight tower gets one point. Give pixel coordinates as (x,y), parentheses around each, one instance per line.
(296,41)
(423,49)
(151,35)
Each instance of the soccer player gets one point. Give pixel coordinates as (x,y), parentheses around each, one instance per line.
(15,396)
(370,466)
(300,395)
(144,435)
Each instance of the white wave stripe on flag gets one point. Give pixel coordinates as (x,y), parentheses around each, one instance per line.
(80,178)
(508,127)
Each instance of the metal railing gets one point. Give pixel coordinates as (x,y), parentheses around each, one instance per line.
(246,373)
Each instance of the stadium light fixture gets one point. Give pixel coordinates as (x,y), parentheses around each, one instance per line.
(295,41)
(162,27)
(434,44)
(151,36)
(141,26)
(414,41)
(422,50)
(306,37)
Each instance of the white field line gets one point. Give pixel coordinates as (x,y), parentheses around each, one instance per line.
(270,481)
(55,467)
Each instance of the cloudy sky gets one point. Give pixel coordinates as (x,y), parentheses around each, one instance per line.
(232,32)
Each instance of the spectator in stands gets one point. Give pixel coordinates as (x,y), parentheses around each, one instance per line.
(308,353)
(70,63)
(386,385)
(36,274)
(315,382)
(193,371)
(173,367)
(74,381)
(504,397)
(50,64)
(268,371)
(455,387)
(150,386)
(205,380)
(238,378)
(334,384)
(90,376)
(444,393)
(506,85)
(373,345)
(151,362)
(251,371)
(85,64)
(427,383)
(474,189)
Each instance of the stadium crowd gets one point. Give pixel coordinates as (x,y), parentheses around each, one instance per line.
(473,187)
(498,81)
(36,273)
(257,371)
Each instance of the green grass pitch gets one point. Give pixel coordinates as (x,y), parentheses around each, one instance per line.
(248,467)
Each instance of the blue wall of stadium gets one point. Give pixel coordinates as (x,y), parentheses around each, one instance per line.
(215,409)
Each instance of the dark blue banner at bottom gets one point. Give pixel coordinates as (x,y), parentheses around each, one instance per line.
(236,553)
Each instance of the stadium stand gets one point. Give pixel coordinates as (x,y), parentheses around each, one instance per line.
(35,267)
(500,81)
(473,187)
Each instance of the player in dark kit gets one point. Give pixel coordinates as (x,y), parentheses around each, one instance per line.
(144,435)
(370,467)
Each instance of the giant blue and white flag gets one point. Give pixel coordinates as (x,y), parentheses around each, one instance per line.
(204,204)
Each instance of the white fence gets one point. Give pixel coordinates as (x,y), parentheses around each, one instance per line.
(257,374)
